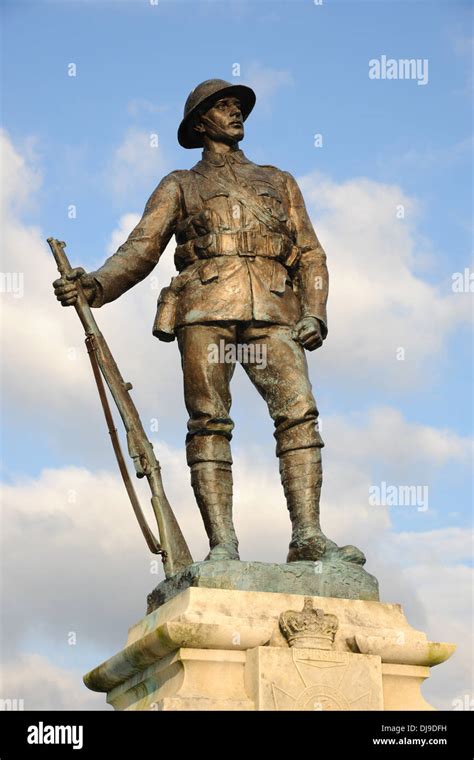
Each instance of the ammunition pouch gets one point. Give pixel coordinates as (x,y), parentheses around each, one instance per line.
(272,245)
(165,318)
(163,326)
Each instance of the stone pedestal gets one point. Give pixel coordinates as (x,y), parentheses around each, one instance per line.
(215,649)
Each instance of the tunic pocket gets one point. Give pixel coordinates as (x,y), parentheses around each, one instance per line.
(279,279)
(208,271)
(272,201)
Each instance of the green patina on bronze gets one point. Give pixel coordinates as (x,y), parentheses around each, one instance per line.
(328,577)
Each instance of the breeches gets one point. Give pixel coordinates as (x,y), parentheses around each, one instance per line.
(276,365)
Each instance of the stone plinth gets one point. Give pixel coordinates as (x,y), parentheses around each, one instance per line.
(215,649)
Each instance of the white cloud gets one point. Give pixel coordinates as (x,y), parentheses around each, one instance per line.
(70,544)
(42,685)
(135,164)
(447,544)
(378,301)
(266,81)
(78,529)
(385,428)
(34,331)
(46,373)
(20,180)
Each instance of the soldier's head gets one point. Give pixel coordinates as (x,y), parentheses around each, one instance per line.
(215,112)
(222,122)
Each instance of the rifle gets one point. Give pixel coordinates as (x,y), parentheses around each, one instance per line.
(172,545)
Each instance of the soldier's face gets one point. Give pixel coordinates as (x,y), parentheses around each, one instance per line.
(223,122)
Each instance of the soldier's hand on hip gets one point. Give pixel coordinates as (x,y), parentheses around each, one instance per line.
(308,332)
(65,288)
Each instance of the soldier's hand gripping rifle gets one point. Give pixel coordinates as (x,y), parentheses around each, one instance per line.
(172,545)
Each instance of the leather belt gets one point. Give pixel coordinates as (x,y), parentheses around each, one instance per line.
(236,243)
(244,243)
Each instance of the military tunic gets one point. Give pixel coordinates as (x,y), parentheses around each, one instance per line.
(246,281)
(250,266)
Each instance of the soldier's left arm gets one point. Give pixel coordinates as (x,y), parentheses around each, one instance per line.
(311,276)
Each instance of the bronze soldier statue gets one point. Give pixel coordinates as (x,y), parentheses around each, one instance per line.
(251,272)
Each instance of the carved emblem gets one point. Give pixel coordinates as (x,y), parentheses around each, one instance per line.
(309,629)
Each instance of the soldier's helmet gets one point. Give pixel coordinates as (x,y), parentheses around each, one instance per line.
(202,98)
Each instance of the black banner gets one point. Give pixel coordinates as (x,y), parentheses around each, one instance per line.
(87,734)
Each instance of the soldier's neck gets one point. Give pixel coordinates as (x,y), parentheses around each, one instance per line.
(221,148)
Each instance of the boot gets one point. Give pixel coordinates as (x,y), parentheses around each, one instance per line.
(212,485)
(302,477)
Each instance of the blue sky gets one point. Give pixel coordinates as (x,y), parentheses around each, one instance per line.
(136,63)
(126,51)
(397,132)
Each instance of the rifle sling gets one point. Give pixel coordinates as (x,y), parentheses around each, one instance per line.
(152,542)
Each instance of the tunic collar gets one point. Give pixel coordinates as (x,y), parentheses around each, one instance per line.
(220,159)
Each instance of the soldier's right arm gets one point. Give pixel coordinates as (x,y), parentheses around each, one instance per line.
(138,256)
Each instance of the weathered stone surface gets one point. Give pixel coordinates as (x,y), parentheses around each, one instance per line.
(215,649)
(328,578)
(313,679)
